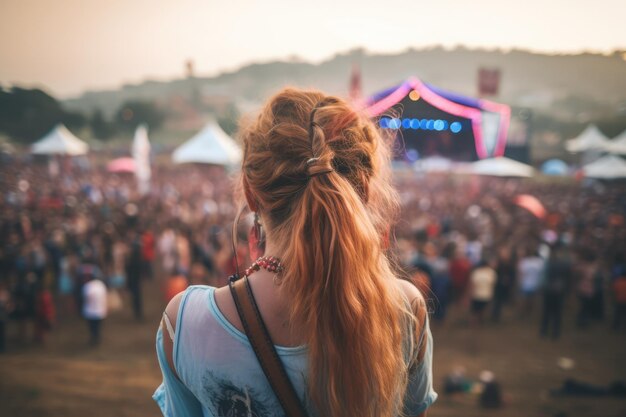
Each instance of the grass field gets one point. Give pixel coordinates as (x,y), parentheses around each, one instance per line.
(66,378)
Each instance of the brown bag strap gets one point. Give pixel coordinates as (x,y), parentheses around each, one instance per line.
(264,348)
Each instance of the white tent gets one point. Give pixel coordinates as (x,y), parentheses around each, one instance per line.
(433,164)
(607,167)
(590,139)
(501,167)
(618,144)
(60,141)
(210,146)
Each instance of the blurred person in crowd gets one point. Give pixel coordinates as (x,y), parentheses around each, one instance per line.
(86,271)
(423,249)
(201,252)
(66,284)
(167,250)
(588,272)
(134,264)
(557,282)
(440,279)
(530,270)
(119,252)
(6,306)
(198,274)
(148,249)
(619,298)
(94,307)
(505,272)
(24,297)
(183,252)
(174,285)
(45,312)
(460,269)
(474,249)
(482,284)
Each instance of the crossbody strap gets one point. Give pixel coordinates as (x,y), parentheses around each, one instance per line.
(264,347)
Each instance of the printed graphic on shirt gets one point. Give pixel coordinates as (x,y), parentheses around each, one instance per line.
(229,400)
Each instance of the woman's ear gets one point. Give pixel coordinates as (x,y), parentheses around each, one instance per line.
(249,197)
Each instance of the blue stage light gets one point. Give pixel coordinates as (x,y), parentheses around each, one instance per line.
(415,124)
(395,123)
(384,122)
(406,123)
(424,124)
(438,125)
(455,127)
(431,125)
(445,124)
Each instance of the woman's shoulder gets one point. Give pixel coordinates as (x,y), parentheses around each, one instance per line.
(411,293)
(177,303)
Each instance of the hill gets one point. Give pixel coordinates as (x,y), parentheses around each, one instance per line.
(586,82)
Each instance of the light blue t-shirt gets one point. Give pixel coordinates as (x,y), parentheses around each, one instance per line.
(220,375)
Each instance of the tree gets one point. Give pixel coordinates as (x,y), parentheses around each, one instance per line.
(101,128)
(133,113)
(26,115)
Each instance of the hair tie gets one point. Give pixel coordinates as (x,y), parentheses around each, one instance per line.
(312,122)
(314,159)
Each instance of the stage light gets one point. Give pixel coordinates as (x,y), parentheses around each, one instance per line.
(445,124)
(455,127)
(415,124)
(414,95)
(431,125)
(424,124)
(395,123)
(384,122)
(438,125)
(406,123)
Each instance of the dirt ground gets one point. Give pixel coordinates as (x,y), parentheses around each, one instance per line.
(66,378)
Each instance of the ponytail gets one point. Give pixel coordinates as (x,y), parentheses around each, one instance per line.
(338,279)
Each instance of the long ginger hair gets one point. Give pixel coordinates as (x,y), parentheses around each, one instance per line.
(318,173)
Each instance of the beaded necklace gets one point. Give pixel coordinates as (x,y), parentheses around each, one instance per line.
(269,263)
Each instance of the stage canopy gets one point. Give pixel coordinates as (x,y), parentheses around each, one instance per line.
(617,145)
(59,141)
(210,146)
(501,167)
(607,167)
(434,122)
(589,139)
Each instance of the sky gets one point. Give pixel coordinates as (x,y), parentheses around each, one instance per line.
(69,46)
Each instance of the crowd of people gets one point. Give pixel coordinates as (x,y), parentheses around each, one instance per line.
(468,242)
(73,239)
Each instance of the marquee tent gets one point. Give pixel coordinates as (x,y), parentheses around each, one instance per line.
(436,122)
(607,167)
(589,139)
(501,167)
(60,141)
(617,145)
(210,146)
(433,164)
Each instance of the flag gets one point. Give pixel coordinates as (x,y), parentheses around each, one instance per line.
(141,155)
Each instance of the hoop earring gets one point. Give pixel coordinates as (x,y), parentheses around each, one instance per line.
(256,238)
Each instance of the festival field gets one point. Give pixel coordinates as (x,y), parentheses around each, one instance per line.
(66,378)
